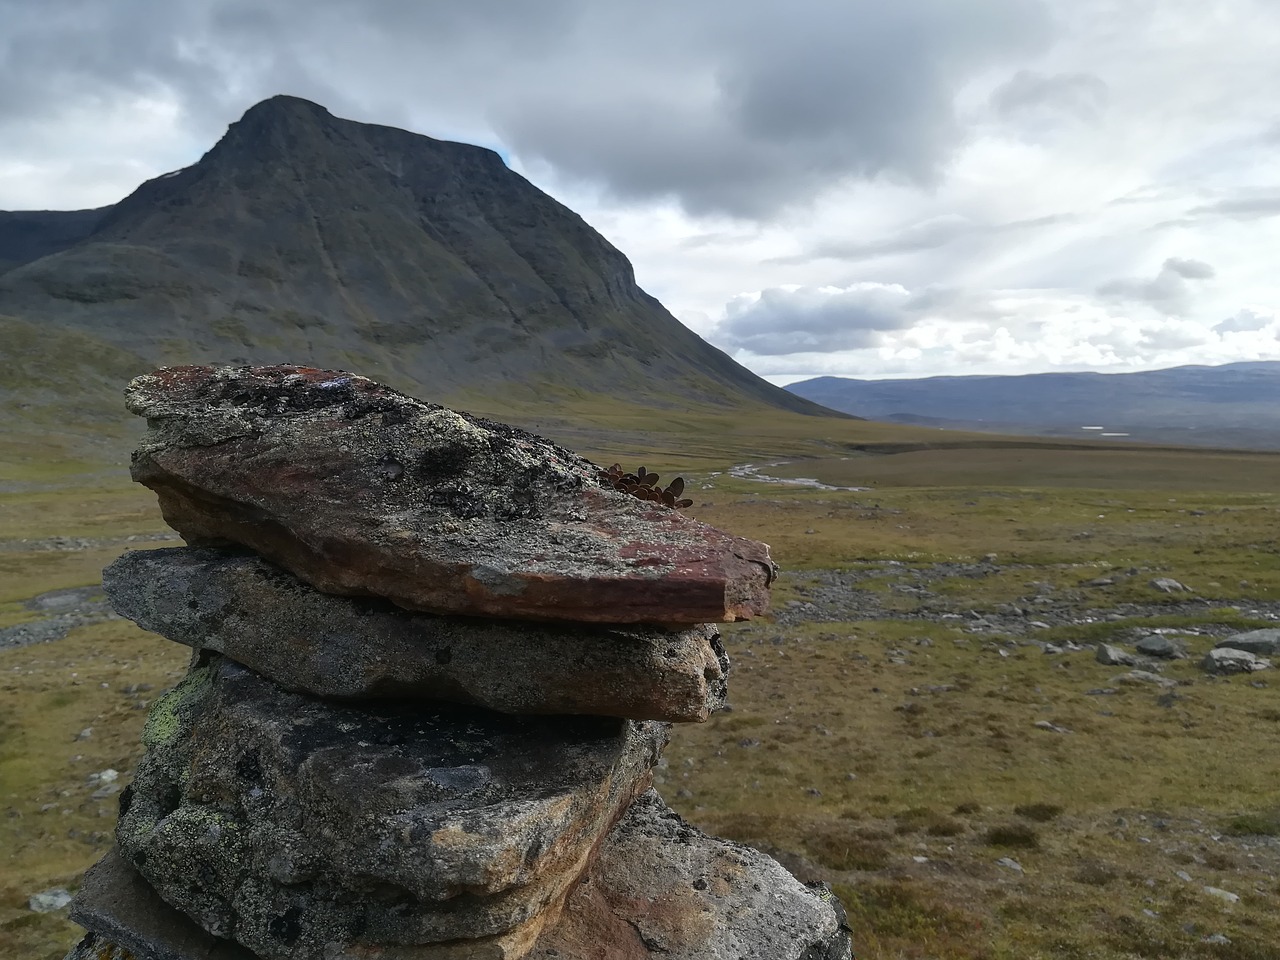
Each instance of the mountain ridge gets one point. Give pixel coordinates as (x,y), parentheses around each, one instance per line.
(429,265)
(1235,402)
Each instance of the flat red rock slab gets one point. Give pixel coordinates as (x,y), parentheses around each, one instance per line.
(360,490)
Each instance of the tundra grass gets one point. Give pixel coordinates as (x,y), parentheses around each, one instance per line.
(903,761)
(896,758)
(52,826)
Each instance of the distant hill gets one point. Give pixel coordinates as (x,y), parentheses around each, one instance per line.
(1235,404)
(306,238)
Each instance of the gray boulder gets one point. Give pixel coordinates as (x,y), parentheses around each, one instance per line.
(1168,585)
(127,920)
(48,901)
(1260,642)
(1113,656)
(302,828)
(661,888)
(341,647)
(1139,677)
(1162,647)
(1226,660)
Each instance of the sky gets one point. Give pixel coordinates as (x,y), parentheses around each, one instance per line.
(818,187)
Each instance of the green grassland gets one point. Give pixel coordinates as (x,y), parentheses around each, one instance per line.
(892,754)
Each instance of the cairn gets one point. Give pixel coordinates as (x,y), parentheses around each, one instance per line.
(434,660)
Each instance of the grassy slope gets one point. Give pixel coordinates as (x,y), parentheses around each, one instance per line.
(823,701)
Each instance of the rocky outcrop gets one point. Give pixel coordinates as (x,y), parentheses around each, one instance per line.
(659,888)
(1161,647)
(237,604)
(663,888)
(368,825)
(1225,660)
(1114,656)
(362,491)
(1260,642)
(340,778)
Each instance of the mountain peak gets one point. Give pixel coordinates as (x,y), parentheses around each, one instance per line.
(284,105)
(305,237)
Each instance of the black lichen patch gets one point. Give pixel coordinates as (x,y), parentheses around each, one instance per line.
(458,499)
(286,397)
(249,769)
(286,927)
(444,462)
(126,799)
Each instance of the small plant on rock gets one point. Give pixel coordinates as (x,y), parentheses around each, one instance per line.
(644,486)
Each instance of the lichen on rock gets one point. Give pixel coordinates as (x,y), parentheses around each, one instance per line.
(360,490)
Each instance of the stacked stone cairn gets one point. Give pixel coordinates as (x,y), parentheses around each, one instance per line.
(434,663)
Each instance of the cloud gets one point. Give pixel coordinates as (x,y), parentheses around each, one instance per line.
(1167,291)
(1029,94)
(1245,321)
(1173,335)
(924,235)
(781,321)
(740,107)
(994,158)
(1242,208)
(1188,269)
(780,105)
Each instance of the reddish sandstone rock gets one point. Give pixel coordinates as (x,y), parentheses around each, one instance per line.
(360,490)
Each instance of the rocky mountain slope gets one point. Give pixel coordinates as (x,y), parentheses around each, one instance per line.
(305,238)
(1235,403)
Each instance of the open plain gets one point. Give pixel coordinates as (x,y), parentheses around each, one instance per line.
(922,720)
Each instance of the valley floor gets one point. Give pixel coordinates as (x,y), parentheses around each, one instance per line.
(922,721)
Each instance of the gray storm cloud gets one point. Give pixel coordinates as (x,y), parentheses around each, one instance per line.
(729,107)
(784,100)
(814,320)
(1080,95)
(1168,290)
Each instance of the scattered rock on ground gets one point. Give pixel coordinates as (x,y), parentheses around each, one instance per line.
(60,612)
(1113,656)
(49,901)
(1155,645)
(1227,660)
(1051,727)
(1137,677)
(1260,642)
(1168,585)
